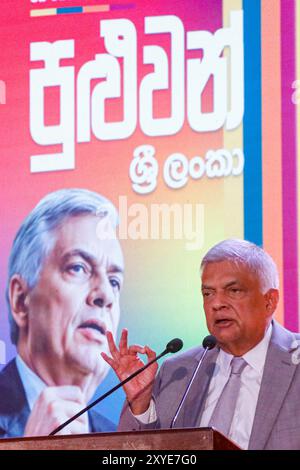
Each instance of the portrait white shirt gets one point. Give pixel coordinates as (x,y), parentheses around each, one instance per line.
(251,378)
(32,383)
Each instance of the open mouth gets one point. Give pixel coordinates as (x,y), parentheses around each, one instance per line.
(92,325)
(223,322)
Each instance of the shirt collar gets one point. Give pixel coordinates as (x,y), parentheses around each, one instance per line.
(32,383)
(256,357)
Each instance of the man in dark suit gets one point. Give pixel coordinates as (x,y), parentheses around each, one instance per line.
(65,277)
(15,410)
(255,404)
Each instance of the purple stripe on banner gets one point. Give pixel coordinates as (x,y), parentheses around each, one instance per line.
(289,164)
(122,7)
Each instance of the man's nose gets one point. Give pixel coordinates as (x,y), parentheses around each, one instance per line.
(101,293)
(99,302)
(219,301)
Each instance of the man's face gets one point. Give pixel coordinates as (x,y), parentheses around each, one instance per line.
(75,301)
(236,311)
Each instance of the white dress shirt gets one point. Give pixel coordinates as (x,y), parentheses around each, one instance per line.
(251,378)
(32,383)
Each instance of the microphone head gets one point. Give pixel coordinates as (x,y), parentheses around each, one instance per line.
(174,345)
(209,342)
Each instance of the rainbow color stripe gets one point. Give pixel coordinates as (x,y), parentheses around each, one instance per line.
(79,9)
(280,26)
(271,141)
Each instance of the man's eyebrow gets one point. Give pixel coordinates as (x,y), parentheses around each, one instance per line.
(206,287)
(89,258)
(82,253)
(114,268)
(229,284)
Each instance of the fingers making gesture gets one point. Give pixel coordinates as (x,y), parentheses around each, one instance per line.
(125,361)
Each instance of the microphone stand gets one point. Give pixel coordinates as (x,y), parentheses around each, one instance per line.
(210,343)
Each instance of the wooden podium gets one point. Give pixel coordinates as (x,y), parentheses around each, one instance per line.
(175,439)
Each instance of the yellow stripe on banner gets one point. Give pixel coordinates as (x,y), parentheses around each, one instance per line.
(271,138)
(233,185)
(46,12)
(296,99)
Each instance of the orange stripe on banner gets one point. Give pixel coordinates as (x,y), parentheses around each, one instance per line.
(95,8)
(271,137)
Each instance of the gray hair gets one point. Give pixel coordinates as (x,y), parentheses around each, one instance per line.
(36,238)
(258,261)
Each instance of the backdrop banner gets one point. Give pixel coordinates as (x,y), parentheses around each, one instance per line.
(184,114)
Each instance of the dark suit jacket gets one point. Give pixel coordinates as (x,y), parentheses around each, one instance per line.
(14,408)
(277,417)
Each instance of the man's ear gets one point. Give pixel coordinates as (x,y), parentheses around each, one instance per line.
(18,299)
(272,299)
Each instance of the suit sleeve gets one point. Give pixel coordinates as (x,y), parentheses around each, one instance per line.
(127,420)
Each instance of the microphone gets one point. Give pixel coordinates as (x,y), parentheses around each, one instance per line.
(208,343)
(172,347)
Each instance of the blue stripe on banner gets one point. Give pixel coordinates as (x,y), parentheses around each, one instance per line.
(253,204)
(65,10)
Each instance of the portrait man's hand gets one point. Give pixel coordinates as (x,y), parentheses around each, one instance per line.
(54,406)
(125,361)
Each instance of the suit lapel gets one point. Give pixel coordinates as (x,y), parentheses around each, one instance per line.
(195,400)
(277,376)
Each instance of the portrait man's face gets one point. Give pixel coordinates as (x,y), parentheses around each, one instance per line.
(75,301)
(236,311)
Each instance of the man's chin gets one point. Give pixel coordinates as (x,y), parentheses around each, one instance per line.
(224,336)
(90,362)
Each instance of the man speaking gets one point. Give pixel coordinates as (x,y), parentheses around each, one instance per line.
(247,387)
(64,282)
